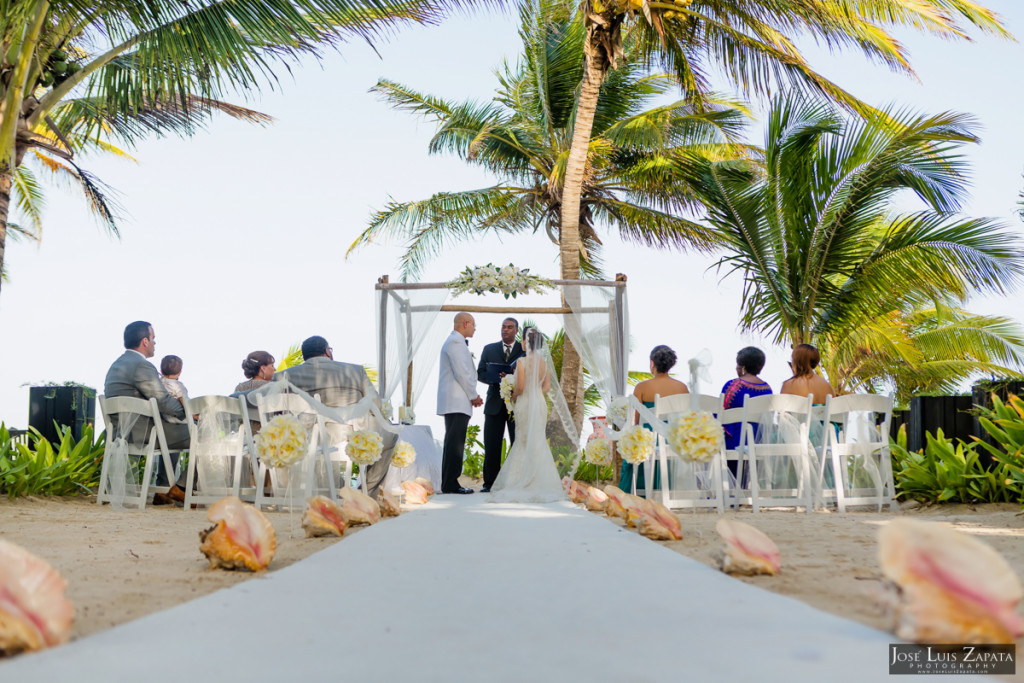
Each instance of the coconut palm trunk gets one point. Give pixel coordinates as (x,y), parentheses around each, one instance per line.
(597,64)
(5,205)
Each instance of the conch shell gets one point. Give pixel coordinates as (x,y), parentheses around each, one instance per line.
(323,517)
(596,499)
(747,550)
(415,494)
(952,588)
(659,523)
(358,508)
(425,483)
(242,537)
(577,492)
(33,610)
(389,506)
(616,505)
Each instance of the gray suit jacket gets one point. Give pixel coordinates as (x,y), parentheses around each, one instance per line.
(339,384)
(133,375)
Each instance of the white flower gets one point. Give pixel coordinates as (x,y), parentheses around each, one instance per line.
(696,436)
(507,280)
(598,452)
(386,409)
(636,444)
(404,454)
(282,442)
(618,412)
(508,385)
(365,447)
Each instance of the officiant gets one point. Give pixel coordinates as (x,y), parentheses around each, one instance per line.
(496,361)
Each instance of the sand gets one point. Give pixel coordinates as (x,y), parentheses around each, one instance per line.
(122,565)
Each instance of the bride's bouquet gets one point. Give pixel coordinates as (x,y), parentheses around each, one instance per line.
(696,436)
(508,385)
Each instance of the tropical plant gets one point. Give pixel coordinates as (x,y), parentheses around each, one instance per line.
(473,457)
(929,350)
(644,154)
(827,258)
(946,473)
(112,69)
(72,468)
(1004,422)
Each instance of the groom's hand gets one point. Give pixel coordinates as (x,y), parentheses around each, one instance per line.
(477,402)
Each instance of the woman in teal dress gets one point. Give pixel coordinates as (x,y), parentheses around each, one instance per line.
(662,360)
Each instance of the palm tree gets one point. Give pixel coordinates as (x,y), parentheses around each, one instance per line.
(111,68)
(749,41)
(827,259)
(644,177)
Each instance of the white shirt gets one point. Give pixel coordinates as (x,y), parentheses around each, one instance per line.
(456,386)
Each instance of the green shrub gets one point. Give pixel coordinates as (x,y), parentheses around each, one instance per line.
(1005,423)
(942,472)
(72,469)
(473,464)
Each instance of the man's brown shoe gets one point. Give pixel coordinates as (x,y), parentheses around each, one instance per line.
(176,493)
(162,499)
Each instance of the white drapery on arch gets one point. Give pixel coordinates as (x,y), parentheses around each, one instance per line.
(409,332)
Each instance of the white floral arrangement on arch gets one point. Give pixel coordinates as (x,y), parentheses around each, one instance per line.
(636,444)
(404,454)
(598,452)
(507,280)
(282,442)
(696,436)
(505,389)
(364,447)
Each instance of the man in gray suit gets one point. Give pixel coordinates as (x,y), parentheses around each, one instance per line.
(339,385)
(133,375)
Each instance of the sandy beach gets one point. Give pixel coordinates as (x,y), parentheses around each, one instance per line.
(121,565)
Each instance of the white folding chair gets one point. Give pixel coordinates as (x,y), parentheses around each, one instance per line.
(787,418)
(333,469)
(685,484)
(221,452)
(135,431)
(288,493)
(858,450)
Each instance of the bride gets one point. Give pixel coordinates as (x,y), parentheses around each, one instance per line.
(529,474)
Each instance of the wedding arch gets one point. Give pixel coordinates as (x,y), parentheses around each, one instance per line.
(410,331)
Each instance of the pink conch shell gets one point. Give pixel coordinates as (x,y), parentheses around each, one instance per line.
(596,499)
(577,492)
(415,494)
(358,507)
(425,483)
(323,517)
(242,538)
(615,507)
(635,507)
(952,588)
(747,550)
(389,506)
(33,610)
(659,523)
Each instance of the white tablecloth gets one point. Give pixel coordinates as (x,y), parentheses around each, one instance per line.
(428,459)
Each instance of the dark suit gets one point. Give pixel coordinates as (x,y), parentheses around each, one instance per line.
(339,385)
(496,417)
(133,375)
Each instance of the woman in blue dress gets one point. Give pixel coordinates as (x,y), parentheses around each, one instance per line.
(662,360)
(749,363)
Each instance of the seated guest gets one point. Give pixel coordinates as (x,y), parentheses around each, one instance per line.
(133,375)
(749,362)
(339,385)
(170,371)
(805,382)
(662,360)
(258,368)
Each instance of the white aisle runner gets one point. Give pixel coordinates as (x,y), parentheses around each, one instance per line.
(460,590)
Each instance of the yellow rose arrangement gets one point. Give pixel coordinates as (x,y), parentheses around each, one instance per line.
(598,452)
(636,444)
(404,454)
(696,436)
(365,447)
(282,442)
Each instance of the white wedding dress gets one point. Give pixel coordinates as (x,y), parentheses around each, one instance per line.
(529,474)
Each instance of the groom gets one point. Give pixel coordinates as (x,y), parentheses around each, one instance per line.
(496,416)
(456,398)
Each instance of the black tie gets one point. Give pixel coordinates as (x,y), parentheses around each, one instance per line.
(508,352)
(467,342)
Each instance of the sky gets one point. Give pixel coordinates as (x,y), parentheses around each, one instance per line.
(234,240)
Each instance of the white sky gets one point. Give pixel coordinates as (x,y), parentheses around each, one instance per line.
(234,240)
